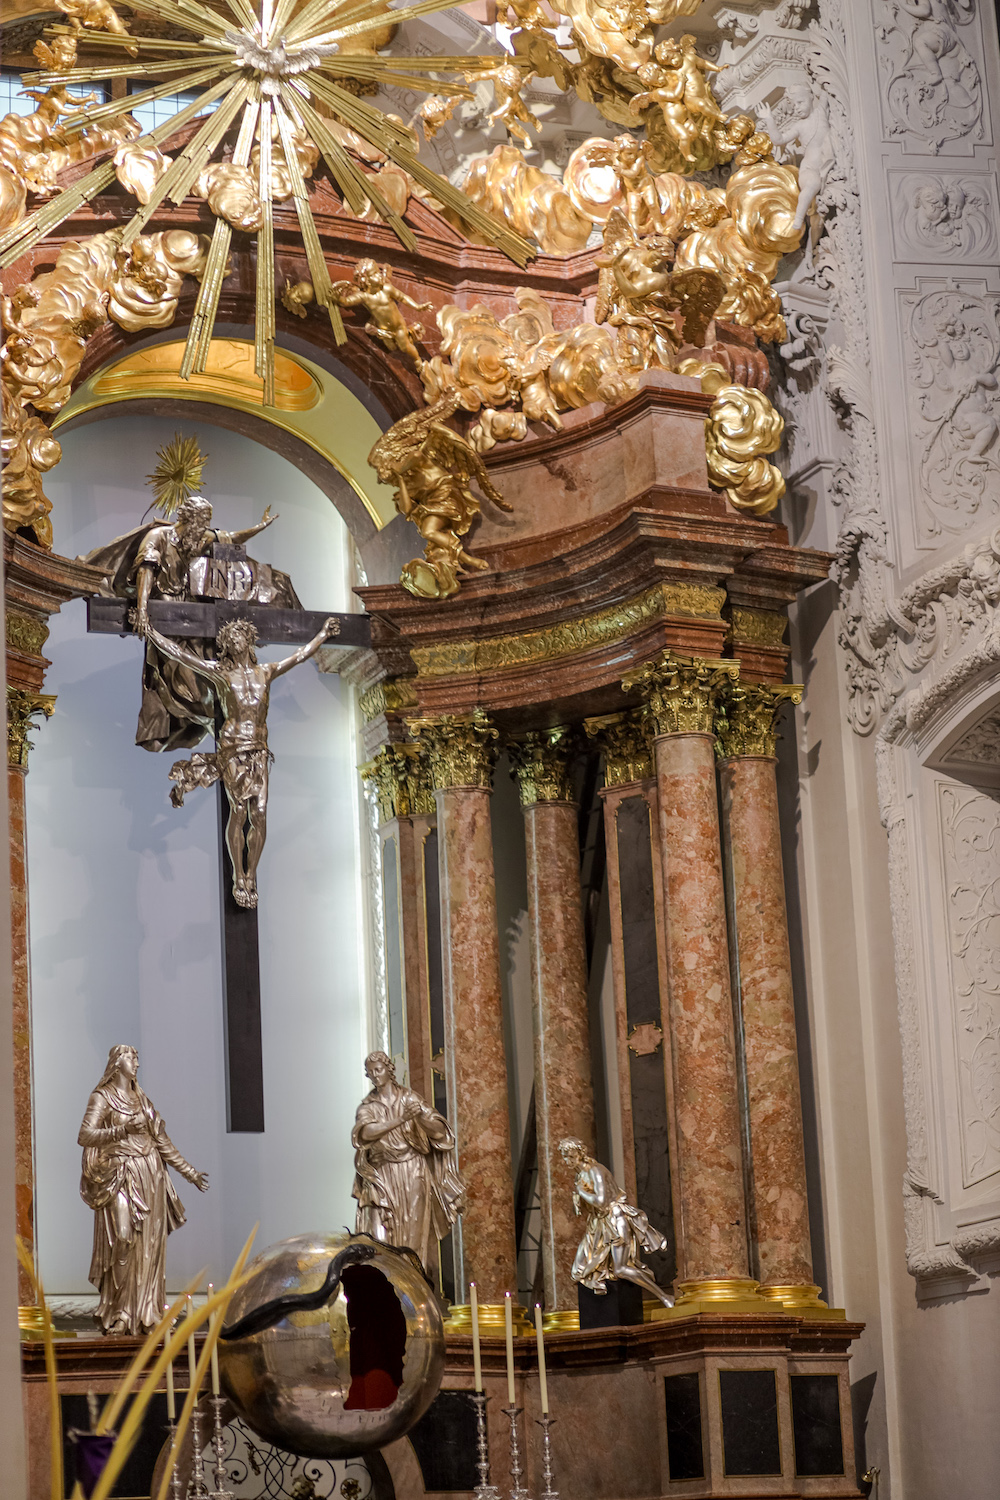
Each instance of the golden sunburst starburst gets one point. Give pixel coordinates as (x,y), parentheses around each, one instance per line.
(177,473)
(281,77)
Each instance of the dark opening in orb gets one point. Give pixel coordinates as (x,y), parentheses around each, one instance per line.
(378,1339)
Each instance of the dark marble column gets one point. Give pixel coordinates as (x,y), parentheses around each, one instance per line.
(679,696)
(564,1092)
(460,750)
(779,1206)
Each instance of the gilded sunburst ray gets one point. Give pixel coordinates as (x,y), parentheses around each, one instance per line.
(283,82)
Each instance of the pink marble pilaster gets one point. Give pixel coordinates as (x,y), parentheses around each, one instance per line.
(780,1206)
(23,1119)
(564,1094)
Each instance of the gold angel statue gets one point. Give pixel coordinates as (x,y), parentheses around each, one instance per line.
(677,81)
(433,467)
(373,288)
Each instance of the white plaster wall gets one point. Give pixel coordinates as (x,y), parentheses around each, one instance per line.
(125,925)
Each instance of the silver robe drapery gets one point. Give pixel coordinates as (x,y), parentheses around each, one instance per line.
(407,1184)
(125,1182)
(612,1225)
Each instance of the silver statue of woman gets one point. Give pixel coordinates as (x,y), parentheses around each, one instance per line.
(126,1153)
(407,1184)
(616,1233)
(242,688)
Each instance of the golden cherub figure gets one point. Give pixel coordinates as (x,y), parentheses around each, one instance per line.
(95,15)
(511,111)
(677,81)
(524,13)
(654,308)
(373,288)
(432,468)
(296,296)
(638,185)
(432,114)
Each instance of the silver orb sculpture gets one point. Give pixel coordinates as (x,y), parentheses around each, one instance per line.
(346,1376)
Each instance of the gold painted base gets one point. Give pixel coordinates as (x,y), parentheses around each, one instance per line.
(491,1320)
(804,1301)
(30,1322)
(729,1295)
(561,1322)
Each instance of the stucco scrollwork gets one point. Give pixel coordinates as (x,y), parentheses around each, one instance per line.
(953,341)
(933,90)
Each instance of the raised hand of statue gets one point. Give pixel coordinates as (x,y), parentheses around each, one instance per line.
(200,1181)
(266,519)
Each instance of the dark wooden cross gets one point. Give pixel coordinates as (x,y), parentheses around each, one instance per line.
(240,948)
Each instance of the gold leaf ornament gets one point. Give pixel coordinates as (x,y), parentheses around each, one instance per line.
(177,473)
(742,427)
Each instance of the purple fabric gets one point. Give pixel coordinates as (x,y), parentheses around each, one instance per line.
(92,1453)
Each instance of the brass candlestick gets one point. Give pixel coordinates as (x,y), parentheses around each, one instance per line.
(219,1470)
(484,1490)
(545,1422)
(517,1491)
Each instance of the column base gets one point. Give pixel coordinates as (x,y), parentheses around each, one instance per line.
(802,1300)
(31,1322)
(492,1324)
(561,1322)
(727,1295)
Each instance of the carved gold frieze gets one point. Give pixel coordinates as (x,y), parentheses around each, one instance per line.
(25,633)
(622,739)
(681,693)
(401,778)
(540,763)
(604,627)
(746,721)
(22,707)
(461,749)
(391,696)
(757,627)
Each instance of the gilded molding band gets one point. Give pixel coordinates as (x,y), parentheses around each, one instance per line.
(401,779)
(624,745)
(606,626)
(680,693)
(460,749)
(540,763)
(747,719)
(25,633)
(757,627)
(391,696)
(22,706)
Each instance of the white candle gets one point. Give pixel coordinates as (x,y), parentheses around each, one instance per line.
(508,1319)
(477,1359)
(543,1385)
(215,1349)
(171,1407)
(191,1359)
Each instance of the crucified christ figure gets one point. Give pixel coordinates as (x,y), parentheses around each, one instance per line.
(242,688)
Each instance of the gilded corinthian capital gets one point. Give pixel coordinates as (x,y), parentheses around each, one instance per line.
(680,693)
(625,747)
(401,780)
(541,761)
(747,718)
(22,707)
(461,749)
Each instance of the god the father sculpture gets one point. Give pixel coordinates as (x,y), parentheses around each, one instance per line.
(407,1184)
(126,1153)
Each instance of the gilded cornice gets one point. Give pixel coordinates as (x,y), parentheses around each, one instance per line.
(393,695)
(604,627)
(680,693)
(25,633)
(746,720)
(540,763)
(22,707)
(623,742)
(461,749)
(401,779)
(757,627)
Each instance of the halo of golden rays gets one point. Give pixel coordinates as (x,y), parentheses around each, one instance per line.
(177,474)
(272,65)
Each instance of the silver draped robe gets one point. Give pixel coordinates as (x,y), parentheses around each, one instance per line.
(407,1183)
(613,1225)
(125,1182)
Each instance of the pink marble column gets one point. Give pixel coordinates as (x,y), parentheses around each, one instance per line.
(460,754)
(679,698)
(750,805)
(564,1094)
(23,1118)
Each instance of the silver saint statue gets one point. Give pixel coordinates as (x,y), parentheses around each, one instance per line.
(126,1153)
(177,561)
(407,1184)
(616,1233)
(241,686)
